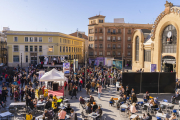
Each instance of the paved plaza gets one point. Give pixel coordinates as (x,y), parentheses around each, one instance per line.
(110,112)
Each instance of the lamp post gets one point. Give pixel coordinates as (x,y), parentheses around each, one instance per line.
(85,66)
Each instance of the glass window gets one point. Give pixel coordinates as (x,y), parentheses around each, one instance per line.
(137,48)
(26,39)
(31,48)
(90,31)
(15,39)
(100,21)
(35,39)
(129,31)
(119,30)
(108,53)
(35,48)
(119,38)
(63,49)
(26,48)
(129,53)
(100,46)
(114,37)
(16,48)
(100,37)
(40,48)
(95,30)
(60,48)
(31,39)
(147,55)
(91,38)
(50,49)
(72,49)
(66,49)
(100,53)
(26,59)
(69,49)
(114,31)
(114,53)
(119,53)
(50,39)
(119,45)
(109,45)
(60,40)
(169,39)
(100,30)
(15,58)
(109,30)
(40,39)
(129,38)
(108,38)
(114,46)
(129,46)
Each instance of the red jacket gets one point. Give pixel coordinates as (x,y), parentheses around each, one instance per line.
(6,75)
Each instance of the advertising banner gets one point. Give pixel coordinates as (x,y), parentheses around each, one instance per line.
(153,67)
(118,64)
(66,68)
(75,64)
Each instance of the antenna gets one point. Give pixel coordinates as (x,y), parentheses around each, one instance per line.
(99,12)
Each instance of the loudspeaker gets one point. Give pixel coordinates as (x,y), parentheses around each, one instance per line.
(55,86)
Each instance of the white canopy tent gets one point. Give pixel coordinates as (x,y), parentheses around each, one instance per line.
(53,75)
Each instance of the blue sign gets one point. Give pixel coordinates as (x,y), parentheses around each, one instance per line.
(66,68)
(153,68)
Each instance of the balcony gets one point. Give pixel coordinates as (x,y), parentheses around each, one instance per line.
(119,32)
(91,32)
(91,55)
(129,40)
(114,40)
(129,32)
(101,32)
(129,47)
(108,47)
(114,48)
(108,32)
(118,48)
(3,49)
(100,47)
(113,33)
(100,39)
(91,40)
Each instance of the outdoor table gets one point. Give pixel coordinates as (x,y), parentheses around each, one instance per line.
(41,104)
(166,104)
(18,104)
(5,114)
(65,100)
(93,115)
(86,99)
(40,117)
(133,116)
(124,106)
(161,115)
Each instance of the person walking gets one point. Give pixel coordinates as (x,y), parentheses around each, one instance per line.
(99,91)
(22,93)
(74,92)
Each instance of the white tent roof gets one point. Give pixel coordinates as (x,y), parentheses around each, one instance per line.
(53,75)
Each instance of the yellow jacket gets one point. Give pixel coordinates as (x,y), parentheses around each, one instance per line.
(54,105)
(59,100)
(29,117)
(55,98)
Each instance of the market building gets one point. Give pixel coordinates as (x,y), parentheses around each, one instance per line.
(31,47)
(158,49)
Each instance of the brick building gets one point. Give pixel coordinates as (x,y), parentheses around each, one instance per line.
(109,41)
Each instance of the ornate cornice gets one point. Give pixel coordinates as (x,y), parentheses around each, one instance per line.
(171,10)
(152,46)
(168,4)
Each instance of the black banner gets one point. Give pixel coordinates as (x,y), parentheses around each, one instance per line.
(148,81)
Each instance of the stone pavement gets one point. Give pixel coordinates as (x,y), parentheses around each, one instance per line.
(110,112)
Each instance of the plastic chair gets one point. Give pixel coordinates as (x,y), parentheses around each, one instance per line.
(164,100)
(145,100)
(158,118)
(123,110)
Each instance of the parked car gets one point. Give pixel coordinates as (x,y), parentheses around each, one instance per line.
(2,64)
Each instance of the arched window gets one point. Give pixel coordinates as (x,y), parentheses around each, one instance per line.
(137,48)
(169,39)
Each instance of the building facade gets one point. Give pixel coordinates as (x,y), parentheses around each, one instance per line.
(30,47)
(160,47)
(3,48)
(109,41)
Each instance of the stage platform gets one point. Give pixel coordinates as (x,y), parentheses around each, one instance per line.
(59,93)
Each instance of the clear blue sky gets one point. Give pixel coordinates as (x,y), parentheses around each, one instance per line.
(67,15)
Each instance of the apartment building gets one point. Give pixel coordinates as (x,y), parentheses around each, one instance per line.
(3,48)
(31,47)
(109,41)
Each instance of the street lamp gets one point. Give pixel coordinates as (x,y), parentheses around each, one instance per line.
(21,61)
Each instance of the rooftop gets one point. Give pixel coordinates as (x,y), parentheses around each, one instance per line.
(97,16)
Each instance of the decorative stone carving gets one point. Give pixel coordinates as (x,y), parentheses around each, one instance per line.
(142,46)
(168,4)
